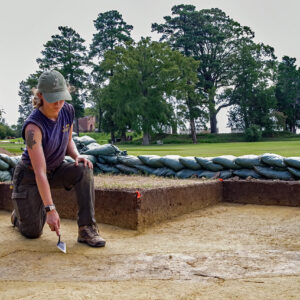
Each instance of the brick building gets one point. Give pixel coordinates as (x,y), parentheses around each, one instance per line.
(86,124)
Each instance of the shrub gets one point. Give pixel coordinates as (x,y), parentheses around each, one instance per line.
(253,133)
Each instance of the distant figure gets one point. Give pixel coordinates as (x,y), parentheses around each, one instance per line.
(48,136)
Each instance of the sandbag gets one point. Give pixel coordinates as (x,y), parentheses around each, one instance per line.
(5,176)
(227,161)
(145,169)
(96,149)
(244,173)
(248,161)
(190,162)
(107,168)
(207,163)
(225,174)
(272,174)
(151,160)
(167,172)
(91,158)
(208,174)
(294,172)
(293,162)
(187,173)
(172,162)
(127,170)
(69,159)
(8,159)
(129,160)
(4,166)
(74,134)
(110,159)
(97,171)
(272,159)
(86,140)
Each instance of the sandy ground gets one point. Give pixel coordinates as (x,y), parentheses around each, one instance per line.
(222,252)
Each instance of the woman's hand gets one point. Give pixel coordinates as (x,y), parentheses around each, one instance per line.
(53,221)
(85,161)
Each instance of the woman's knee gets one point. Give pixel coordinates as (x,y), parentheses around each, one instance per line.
(31,231)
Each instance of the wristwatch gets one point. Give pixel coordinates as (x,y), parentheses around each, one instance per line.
(50,207)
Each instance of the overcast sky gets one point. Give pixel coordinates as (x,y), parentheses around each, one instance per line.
(25,26)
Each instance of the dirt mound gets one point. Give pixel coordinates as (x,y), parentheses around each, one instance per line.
(2,150)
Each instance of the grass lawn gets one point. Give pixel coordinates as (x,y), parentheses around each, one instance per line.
(284,148)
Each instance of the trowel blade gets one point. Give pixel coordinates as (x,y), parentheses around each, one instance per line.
(61,246)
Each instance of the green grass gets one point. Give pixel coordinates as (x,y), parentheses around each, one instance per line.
(285,144)
(284,148)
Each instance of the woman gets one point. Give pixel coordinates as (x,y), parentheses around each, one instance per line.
(48,136)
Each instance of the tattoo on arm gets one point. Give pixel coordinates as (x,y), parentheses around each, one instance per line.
(30,142)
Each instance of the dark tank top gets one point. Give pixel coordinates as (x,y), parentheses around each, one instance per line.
(55,135)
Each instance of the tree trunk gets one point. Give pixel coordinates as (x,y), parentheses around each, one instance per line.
(213,123)
(146,138)
(112,137)
(193,131)
(123,135)
(174,128)
(100,120)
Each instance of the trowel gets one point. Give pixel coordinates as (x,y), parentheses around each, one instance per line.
(61,245)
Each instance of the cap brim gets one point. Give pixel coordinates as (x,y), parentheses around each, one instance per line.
(57,96)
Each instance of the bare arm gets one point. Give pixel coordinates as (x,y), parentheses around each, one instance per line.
(33,137)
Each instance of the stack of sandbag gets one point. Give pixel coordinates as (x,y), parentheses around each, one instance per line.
(7,163)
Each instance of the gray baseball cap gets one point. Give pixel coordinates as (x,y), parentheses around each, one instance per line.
(53,86)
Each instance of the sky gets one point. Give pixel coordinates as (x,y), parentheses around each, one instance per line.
(25,26)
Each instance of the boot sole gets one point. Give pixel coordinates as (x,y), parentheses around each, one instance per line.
(98,245)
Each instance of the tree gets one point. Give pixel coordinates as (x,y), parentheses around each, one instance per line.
(66,53)
(112,31)
(252,94)
(288,92)
(144,76)
(211,37)
(25,93)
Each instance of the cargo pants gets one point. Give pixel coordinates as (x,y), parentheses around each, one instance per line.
(28,204)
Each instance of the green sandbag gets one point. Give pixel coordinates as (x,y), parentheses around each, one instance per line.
(97,171)
(74,134)
(248,161)
(208,174)
(8,159)
(4,166)
(272,159)
(69,159)
(167,172)
(172,162)
(272,174)
(86,140)
(127,170)
(206,163)
(293,162)
(5,176)
(294,172)
(190,162)
(96,149)
(145,169)
(227,161)
(129,160)
(187,173)
(109,159)
(225,174)
(151,160)
(91,158)
(107,168)
(244,173)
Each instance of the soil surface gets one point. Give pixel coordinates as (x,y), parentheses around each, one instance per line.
(228,251)
(2,150)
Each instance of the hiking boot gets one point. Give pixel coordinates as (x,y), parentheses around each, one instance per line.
(89,234)
(14,219)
